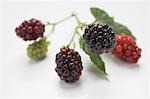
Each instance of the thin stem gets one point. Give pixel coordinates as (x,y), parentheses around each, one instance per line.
(60,21)
(52,30)
(77,19)
(56,23)
(65,19)
(72,39)
(79,26)
(78,34)
(94,21)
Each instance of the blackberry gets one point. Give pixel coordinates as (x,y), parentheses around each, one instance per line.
(99,37)
(38,49)
(126,49)
(69,65)
(30,30)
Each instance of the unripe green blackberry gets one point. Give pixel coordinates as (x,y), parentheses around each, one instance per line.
(99,37)
(38,49)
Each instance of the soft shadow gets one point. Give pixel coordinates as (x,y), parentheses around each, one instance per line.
(122,63)
(67,86)
(31,61)
(97,73)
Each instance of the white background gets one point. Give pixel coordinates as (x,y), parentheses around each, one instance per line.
(21,77)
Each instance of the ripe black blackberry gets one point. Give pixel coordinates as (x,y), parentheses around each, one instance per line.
(69,65)
(30,30)
(99,37)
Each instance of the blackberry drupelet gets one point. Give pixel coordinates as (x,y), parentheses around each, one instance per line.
(30,30)
(126,49)
(69,65)
(99,37)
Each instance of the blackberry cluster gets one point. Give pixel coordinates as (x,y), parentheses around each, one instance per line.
(69,65)
(38,49)
(30,30)
(99,37)
(126,49)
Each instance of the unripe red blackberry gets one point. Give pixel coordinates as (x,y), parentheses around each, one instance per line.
(99,37)
(69,65)
(126,48)
(30,30)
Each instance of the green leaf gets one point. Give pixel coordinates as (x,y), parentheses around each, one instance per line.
(95,58)
(118,28)
(102,16)
(84,46)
